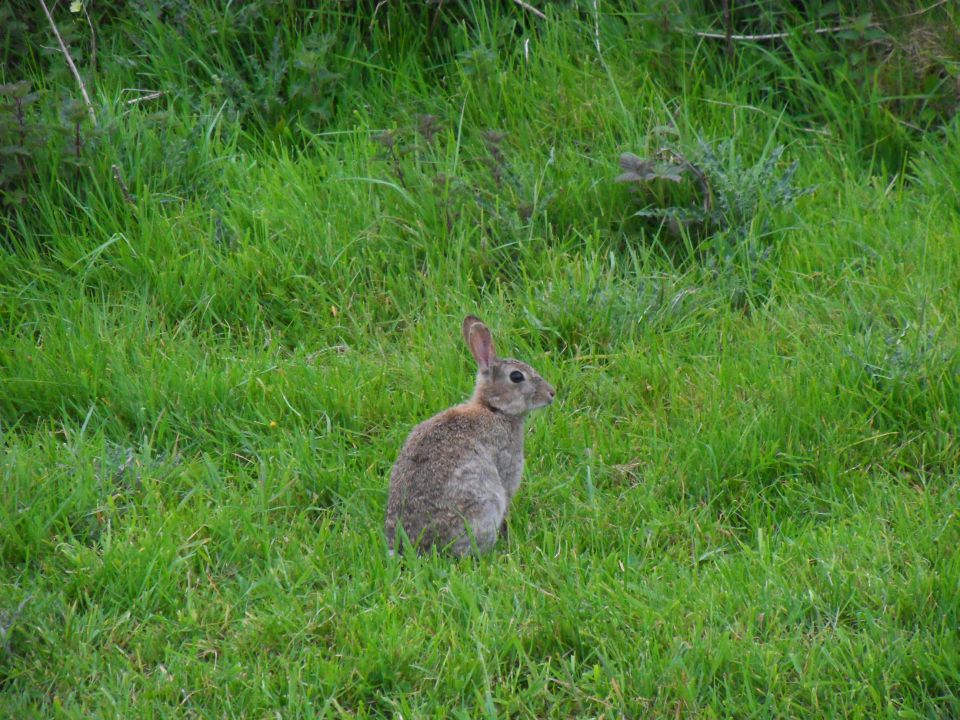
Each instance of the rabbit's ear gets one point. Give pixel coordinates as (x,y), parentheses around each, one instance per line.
(478,338)
(468,323)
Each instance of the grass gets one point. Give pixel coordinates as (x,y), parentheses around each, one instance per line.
(744,504)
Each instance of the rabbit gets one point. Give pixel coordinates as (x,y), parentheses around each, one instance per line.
(457,472)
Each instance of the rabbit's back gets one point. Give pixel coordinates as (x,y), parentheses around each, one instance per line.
(448,478)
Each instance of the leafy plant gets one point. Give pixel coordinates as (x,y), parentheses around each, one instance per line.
(19,139)
(29,139)
(910,378)
(730,200)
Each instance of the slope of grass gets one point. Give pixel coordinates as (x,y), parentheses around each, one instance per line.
(743,504)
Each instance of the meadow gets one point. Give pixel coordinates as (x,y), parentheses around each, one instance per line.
(227,298)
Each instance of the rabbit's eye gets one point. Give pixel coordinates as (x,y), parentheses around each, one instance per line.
(517,376)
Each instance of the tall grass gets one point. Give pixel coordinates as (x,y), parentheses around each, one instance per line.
(744,503)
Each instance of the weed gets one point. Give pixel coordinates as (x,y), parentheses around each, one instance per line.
(19,140)
(913,382)
(735,199)
(31,141)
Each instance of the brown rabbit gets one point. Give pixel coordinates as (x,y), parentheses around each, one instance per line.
(457,472)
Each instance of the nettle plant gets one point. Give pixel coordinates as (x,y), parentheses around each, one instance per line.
(30,139)
(20,139)
(719,199)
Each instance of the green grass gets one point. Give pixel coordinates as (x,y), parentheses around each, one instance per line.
(744,503)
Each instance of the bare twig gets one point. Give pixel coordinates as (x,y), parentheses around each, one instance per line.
(73,68)
(373,18)
(123,186)
(531,9)
(93,39)
(144,98)
(433,20)
(778,36)
(922,11)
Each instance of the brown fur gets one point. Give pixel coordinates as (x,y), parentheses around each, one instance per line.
(454,479)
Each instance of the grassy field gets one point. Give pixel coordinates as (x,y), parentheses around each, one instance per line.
(744,502)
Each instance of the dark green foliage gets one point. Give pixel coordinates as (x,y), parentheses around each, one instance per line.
(896,60)
(33,144)
(19,139)
(270,65)
(731,202)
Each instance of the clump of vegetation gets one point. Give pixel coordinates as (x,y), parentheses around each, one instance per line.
(729,201)
(19,140)
(486,184)
(910,377)
(898,61)
(29,140)
(262,63)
